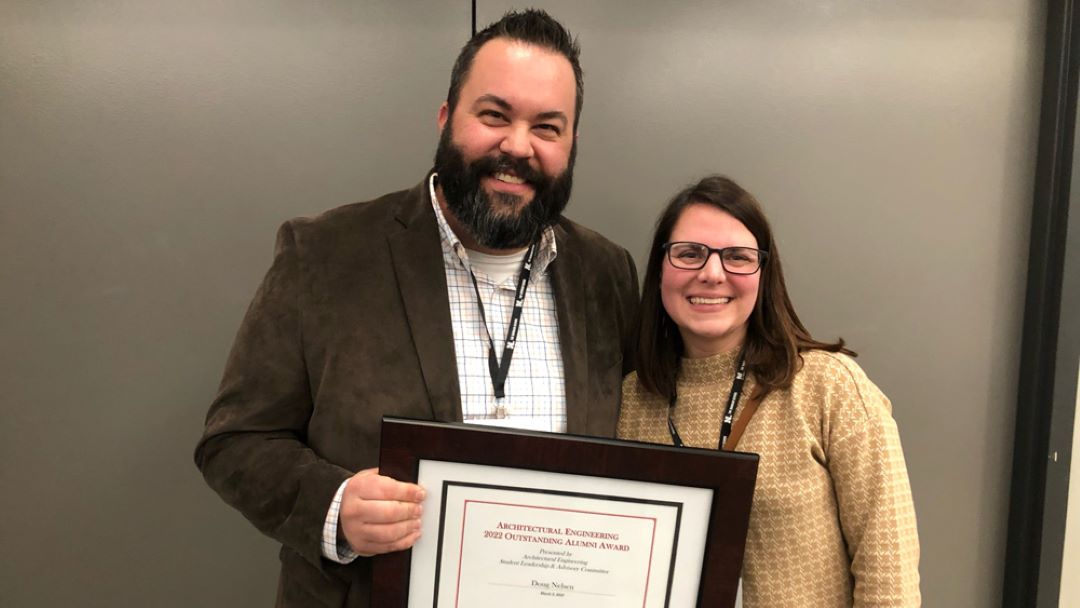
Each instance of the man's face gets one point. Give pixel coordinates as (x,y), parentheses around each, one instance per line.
(505,157)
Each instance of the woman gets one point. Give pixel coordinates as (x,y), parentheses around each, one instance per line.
(832,523)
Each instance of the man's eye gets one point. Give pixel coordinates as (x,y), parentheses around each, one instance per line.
(550,129)
(492,116)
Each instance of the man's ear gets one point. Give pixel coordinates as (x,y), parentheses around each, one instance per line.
(444,115)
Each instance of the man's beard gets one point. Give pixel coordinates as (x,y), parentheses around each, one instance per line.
(494,219)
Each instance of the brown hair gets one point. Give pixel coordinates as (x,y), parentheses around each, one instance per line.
(775,336)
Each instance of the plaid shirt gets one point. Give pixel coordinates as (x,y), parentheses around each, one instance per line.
(535,389)
(535,385)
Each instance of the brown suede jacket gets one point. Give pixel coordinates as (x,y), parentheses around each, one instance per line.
(352,322)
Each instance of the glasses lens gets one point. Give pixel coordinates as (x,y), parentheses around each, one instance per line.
(688,255)
(741,260)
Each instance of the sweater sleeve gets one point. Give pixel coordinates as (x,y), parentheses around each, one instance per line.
(877,516)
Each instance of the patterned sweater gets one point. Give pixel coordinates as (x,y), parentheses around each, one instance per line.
(832,522)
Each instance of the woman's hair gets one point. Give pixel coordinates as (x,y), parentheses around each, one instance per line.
(775,336)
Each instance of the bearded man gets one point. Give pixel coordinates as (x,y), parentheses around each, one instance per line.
(406,306)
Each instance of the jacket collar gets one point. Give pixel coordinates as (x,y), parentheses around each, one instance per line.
(417,264)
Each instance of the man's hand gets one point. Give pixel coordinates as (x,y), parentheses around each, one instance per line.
(380,514)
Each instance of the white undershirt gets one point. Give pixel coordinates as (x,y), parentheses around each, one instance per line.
(499,267)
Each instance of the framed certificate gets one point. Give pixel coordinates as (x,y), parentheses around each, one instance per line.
(527,518)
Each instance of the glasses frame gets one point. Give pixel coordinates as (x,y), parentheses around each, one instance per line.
(763,256)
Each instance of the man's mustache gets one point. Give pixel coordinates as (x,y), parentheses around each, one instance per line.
(504,163)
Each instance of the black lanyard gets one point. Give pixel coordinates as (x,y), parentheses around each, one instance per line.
(500,369)
(729,413)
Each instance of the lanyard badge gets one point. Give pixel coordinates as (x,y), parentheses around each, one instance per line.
(499,368)
(729,412)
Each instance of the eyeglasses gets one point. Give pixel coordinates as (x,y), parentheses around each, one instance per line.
(735,260)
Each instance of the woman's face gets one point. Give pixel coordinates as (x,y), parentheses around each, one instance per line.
(710,306)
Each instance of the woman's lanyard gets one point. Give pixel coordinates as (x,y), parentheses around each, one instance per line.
(499,369)
(729,413)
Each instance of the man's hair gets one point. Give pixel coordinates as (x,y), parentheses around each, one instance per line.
(531,26)
(775,336)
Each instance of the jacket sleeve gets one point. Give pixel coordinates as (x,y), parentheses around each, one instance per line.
(253,452)
(877,515)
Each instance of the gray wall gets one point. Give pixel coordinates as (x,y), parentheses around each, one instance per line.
(149,149)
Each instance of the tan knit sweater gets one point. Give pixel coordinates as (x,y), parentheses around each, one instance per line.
(832,523)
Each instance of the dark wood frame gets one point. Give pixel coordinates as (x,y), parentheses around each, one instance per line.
(1046,400)
(406,442)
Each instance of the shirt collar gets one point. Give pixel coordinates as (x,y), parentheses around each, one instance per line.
(544,256)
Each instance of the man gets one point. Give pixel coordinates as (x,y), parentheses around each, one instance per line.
(400,306)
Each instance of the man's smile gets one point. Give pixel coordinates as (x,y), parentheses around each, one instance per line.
(509,178)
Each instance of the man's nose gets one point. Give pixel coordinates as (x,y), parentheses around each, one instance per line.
(517,142)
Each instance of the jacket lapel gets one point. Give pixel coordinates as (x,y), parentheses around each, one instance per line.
(416,251)
(568,283)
